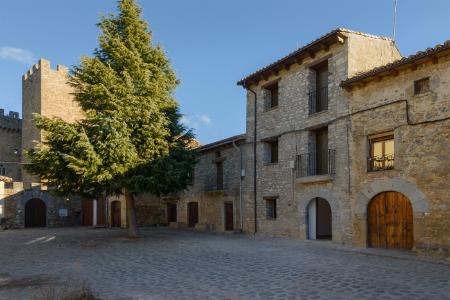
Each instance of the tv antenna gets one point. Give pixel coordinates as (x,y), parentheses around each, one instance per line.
(394,25)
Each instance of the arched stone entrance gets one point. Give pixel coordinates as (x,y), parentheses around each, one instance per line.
(418,201)
(303,205)
(390,221)
(116,214)
(319,218)
(35,213)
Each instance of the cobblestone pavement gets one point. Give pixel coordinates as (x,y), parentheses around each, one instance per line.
(171,264)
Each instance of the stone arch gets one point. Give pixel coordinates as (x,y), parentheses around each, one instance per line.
(373,188)
(305,199)
(27,195)
(22,199)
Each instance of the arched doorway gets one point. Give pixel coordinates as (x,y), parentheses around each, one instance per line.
(116,214)
(192,214)
(390,221)
(319,219)
(35,213)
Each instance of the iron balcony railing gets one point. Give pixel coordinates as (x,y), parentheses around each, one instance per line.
(318,100)
(311,164)
(383,162)
(212,184)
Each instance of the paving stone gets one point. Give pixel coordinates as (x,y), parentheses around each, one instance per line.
(173,264)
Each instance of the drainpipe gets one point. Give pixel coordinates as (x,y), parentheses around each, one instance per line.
(241,177)
(254,160)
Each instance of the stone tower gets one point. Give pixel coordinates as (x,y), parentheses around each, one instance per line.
(45,91)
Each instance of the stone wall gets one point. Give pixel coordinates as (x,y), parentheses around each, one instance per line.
(293,125)
(11,139)
(45,91)
(210,200)
(14,197)
(422,162)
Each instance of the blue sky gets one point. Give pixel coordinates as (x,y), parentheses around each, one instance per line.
(211,43)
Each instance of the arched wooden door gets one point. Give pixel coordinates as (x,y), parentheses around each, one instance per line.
(390,218)
(192,214)
(116,214)
(35,213)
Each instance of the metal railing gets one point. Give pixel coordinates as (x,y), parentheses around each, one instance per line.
(383,162)
(211,184)
(318,100)
(308,164)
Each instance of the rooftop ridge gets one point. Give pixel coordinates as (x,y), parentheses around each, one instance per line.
(382,37)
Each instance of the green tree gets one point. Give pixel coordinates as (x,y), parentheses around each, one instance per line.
(131,140)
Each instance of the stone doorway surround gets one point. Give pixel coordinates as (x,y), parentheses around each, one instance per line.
(22,199)
(411,191)
(302,206)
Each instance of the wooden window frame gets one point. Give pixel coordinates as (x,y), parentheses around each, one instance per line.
(377,139)
(418,86)
(271,157)
(272,100)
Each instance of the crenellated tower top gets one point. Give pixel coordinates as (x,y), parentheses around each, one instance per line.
(44,64)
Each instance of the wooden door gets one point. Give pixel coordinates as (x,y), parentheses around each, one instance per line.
(322,151)
(87,212)
(35,213)
(116,214)
(390,221)
(229,220)
(101,211)
(171,212)
(192,214)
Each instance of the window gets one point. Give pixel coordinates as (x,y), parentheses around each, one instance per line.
(381,153)
(2,170)
(271,99)
(421,86)
(271,209)
(190,178)
(272,152)
(318,95)
(219,175)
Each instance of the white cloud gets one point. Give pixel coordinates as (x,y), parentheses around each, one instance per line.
(16,54)
(196,121)
(205,119)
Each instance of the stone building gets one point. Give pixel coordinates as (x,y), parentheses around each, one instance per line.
(345,140)
(316,120)
(25,201)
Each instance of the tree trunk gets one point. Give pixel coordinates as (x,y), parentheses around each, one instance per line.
(133,231)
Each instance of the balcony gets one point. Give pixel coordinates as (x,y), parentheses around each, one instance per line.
(211,184)
(309,165)
(380,163)
(318,100)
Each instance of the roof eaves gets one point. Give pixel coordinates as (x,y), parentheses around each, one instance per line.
(304,49)
(396,64)
(221,143)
